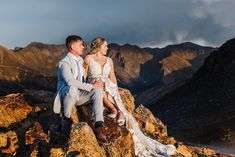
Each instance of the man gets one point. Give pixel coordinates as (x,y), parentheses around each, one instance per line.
(71,90)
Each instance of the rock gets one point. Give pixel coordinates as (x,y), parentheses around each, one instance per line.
(83,141)
(208,152)
(39,96)
(13,108)
(57,152)
(37,109)
(149,127)
(37,141)
(201,151)
(74,115)
(183,150)
(149,124)
(127,99)
(84,113)
(35,133)
(120,141)
(34,153)
(8,142)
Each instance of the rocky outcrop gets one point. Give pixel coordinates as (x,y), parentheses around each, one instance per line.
(151,125)
(13,109)
(35,133)
(83,141)
(42,135)
(8,143)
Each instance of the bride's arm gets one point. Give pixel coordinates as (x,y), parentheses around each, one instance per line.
(112,76)
(85,65)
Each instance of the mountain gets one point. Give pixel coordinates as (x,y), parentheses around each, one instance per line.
(203,109)
(135,68)
(42,57)
(128,60)
(33,66)
(200,110)
(171,67)
(139,69)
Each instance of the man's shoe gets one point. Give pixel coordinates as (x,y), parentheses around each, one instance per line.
(66,126)
(100,135)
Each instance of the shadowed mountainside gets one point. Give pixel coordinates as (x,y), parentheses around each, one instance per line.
(203,109)
(171,67)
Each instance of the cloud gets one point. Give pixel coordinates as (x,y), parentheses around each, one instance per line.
(180,36)
(199,14)
(136,22)
(210,1)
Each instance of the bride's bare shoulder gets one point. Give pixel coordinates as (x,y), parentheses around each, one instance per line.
(89,55)
(87,58)
(110,59)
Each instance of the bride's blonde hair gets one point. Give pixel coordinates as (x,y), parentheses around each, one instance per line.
(96,44)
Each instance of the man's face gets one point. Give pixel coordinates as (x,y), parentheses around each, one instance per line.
(77,48)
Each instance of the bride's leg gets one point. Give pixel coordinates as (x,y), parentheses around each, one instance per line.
(115,111)
(110,106)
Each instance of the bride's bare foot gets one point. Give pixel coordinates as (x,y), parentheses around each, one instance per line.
(120,118)
(113,113)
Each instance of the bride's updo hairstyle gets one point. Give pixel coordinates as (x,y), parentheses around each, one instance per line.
(96,44)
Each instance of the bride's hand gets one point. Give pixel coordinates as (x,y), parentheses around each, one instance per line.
(98,84)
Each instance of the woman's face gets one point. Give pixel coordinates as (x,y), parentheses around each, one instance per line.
(104,48)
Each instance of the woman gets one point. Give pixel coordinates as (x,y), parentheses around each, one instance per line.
(98,66)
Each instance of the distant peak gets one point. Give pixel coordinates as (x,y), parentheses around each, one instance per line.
(189,43)
(127,44)
(36,43)
(113,45)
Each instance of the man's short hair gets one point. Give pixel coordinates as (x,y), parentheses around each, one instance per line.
(70,39)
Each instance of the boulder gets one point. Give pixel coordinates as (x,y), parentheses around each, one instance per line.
(8,143)
(13,109)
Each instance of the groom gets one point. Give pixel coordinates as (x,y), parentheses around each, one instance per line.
(72,90)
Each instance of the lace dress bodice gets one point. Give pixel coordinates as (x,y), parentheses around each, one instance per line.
(96,70)
(144,146)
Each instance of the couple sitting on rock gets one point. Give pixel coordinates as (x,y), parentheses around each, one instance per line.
(93,80)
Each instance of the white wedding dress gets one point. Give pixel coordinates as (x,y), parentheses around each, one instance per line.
(144,146)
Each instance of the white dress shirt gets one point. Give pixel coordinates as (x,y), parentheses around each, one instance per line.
(79,68)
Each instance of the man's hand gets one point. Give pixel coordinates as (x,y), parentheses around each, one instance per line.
(98,84)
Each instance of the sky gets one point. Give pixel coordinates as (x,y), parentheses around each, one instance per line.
(152,23)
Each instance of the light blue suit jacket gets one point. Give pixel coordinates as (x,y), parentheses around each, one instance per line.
(66,79)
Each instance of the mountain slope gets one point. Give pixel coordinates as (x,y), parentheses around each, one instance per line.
(135,68)
(203,109)
(172,67)
(128,60)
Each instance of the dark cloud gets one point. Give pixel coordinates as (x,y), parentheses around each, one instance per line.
(144,23)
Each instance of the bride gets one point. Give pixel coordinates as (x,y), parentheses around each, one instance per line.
(99,67)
